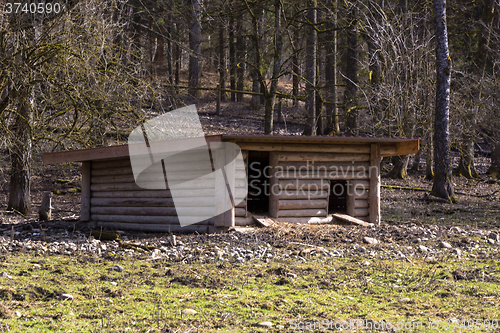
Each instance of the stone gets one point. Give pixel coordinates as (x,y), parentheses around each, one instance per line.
(113,283)
(5,275)
(189,312)
(370,240)
(17,314)
(404,300)
(445,245)
(422,249)
(494,236)
(66,297)
(116,268)
(267,324)
(361,248)
(491,241)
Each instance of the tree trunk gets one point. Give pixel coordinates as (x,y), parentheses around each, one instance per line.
(170,57)
(429,170)
(20,154)
(466,167)
(222,62)
(332,119)
(310,75)
(319,98)
(442,187)
(351,91)
(232,60)
(295,65)
(415,167)
(258,37)
(240,57)
(400,167)
(278,44)
(195,47)
(494,169)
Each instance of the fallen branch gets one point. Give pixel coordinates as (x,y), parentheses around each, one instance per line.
(405,188)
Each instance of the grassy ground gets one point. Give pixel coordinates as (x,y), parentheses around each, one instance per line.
(150,295)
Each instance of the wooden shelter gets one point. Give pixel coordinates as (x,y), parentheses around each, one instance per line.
(297,179)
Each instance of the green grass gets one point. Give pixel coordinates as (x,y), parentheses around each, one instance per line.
(150,294)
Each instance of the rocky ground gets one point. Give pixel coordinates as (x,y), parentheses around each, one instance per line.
(384,242)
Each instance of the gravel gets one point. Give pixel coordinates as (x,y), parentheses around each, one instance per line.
(301,242)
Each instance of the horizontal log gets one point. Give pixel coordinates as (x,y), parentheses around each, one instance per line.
(132,202)
(145,219)
(112,171)
(302,204)
(166,228)
(361,203)
(154,202)
(155,177)
(314,147)
(132,194)
(323,157)
(297,195)
(361,195)
(302,185)
(360,185)
(243,221)
(240,212)
(387,150)
(330,175)
(327,166)
(361,212)
(302,212)
(118,187)
(306,220)
(109,164)
(148,211)
(154,211)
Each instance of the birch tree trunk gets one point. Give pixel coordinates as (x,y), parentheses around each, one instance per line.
(442,186)
(195,47)
(310,75)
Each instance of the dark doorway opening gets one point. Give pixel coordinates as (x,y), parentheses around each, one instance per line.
(258,182)
(337,202)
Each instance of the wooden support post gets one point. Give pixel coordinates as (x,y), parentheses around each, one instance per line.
(85,197)
(374,191)
(350,198)
(274,190)
(230,169)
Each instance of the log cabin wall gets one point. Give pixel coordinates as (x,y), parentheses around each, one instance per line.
(300,182)
(115,201)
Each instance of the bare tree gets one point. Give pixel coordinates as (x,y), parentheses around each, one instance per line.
(442,187)
(310,75)
(351,91)
(195,48)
